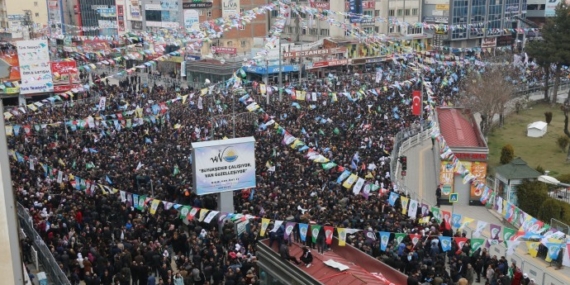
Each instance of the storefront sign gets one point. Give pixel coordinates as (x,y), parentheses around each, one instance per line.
(368,22)
(442,7)
(271,69)
(309,53)
(438,20)
(197,5)
(369,60)
(504,41)
(224,50)
(471,156)
(321,5)
(488,42)
(326,63)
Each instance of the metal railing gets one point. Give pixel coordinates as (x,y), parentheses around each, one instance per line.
(529,90)
(44,256)
(405,139)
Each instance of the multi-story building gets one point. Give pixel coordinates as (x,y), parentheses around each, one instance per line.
(22,19)
(476,23)
(97,13)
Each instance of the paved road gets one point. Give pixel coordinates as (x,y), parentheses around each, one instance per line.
(422,180)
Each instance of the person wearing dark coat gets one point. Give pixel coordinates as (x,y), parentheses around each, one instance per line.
(284,251)
(307,257)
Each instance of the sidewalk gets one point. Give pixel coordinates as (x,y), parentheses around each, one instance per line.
(422,180)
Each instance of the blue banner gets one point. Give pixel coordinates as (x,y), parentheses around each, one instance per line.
(384,238)
(392,199)
(445,243)
(456,221)
(271,69)
(553,249)
(343,176)
(303,228)
(355,10)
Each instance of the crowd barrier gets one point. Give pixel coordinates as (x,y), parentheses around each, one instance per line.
(42,253)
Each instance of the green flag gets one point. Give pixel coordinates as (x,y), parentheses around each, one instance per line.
(176,170)
(89,165)
(507,234)
(399,237)
(142,200)
(336,131)
(184,212)
(476,243)
(321,132)
(436,214)
(73,165)
(328,165)
(315,229)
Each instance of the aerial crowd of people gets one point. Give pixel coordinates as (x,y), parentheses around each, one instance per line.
(141,144)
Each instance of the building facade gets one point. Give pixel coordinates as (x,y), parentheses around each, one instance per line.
(98,13)
(476,23)
(22,19)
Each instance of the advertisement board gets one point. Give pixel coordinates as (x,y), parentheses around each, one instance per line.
(65,76)
(35,68)
(550,8)
(224,50)
(326,63)
(320,5)
(318,52)
(223,165)
(230,7)
(9,67)
(355,8)
(446,179)
(191,17)
(479,170)
(488,42)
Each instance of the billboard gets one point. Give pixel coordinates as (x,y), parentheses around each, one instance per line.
(65,76)
(191,17)
(230,7)
(355,10)
(35,67)
(550,8)
(223,165)
(479,170)
(446,179)
(9,67)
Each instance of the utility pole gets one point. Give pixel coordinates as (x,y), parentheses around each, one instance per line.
(29,24)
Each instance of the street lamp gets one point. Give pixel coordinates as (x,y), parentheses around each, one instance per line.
(551,180)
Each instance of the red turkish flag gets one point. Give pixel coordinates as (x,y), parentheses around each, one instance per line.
(416,102)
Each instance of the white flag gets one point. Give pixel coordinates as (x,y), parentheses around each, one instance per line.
(210,216)
(59,176)
(358,186)
(276,225)
(480,227)
(413,209)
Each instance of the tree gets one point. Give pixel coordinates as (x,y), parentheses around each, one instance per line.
(549,209)
(487,91)
(552,52)
(530,194)
(507,154)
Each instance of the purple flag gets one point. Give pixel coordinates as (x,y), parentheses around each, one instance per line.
(370,236)
(222,217)
(425,209)
(495,231)
(289,229)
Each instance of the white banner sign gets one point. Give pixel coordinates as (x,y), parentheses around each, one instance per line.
(35,67)
(230,7)
(190,17)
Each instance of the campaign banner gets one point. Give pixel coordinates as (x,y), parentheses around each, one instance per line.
(191,17)
(35,67)
(230,8)
(65,76)
(223,165)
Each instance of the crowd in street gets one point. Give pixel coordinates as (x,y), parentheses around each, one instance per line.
(99,239)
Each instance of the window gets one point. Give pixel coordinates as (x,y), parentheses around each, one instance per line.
(368,13)
(314,31)
(368,30)
(376,13)
(400,12)
(243,44)
(376,30)
(241,27)
(324,32)
(37,14)
(407,12)
(414,30)
(36,3)
(274,13)
(303,31)
(241,10)
(391,13)
(230,44)
(209,13)
(415,12)
(290,30)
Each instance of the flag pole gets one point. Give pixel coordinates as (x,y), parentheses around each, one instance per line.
(421,76)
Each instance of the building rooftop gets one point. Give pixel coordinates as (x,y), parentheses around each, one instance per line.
(458,127)
(358,266)
(517,169)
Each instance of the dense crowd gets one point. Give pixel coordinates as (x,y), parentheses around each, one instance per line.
(99,239)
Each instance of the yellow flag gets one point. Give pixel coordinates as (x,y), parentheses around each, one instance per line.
(139,112)
(334,98)
(61,162)
(9,130)
(154,206)
(504,213)
(404,201)
(184,99)
(32,107)
(348,182)
(102,189)
(203,213)
(532,247)
(203,91)
(466,221)
(341,236)
(264,225)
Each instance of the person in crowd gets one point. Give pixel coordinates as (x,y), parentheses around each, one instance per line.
(307,257)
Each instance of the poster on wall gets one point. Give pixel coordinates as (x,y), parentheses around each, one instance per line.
(223,165)
(479,170)
(446,179)
(355,10)
(169,4)
(35,68)
(230,8)
(65,76)
(190,17)
(550,8)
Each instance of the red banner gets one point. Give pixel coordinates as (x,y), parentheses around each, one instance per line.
(65,76)
(416,102)
(329,234)
(224,50)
